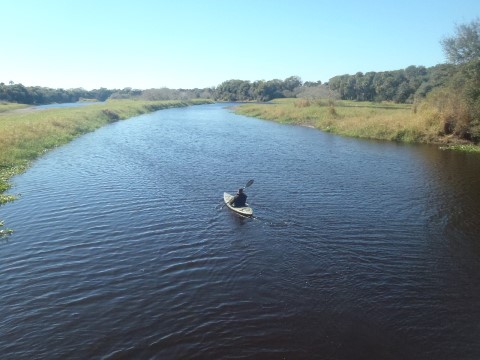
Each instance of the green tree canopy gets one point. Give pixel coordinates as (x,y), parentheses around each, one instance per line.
(464,46)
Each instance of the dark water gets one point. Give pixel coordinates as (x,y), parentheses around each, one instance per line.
(359,250)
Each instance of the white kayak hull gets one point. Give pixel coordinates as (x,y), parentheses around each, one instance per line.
(244,210)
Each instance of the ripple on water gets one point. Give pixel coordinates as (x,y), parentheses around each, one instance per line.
(121,247)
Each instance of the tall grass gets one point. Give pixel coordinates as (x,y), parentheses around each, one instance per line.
(6,106)
(383,121)
(28,134)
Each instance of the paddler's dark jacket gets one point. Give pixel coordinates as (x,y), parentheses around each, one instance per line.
(239,200)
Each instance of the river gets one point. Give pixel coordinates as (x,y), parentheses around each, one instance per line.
(357,250)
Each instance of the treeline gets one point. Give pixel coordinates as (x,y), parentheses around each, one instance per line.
(231,90)
(164,94)
(400,86)
(243,90)
(36,95)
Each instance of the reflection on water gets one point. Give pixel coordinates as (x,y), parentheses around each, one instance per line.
(358,249)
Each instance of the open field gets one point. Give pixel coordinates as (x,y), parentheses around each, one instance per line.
(382,121)
(6,106)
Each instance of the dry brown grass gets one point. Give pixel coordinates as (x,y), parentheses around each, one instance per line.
(387,121)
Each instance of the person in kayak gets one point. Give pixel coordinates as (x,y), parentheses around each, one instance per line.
(240,199)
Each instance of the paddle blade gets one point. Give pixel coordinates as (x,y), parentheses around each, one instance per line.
(250,182)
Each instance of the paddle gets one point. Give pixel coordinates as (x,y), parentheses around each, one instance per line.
(249,183)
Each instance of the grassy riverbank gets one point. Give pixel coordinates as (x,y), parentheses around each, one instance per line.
(27,134)
(382,121)
(6,106)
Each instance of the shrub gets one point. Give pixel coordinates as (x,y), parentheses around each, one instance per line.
(450,110)
(302,103)
(111,115)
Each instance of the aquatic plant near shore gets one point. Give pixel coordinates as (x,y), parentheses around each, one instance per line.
(463,148)
(4,232)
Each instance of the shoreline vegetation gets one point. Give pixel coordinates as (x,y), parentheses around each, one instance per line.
(8,106)
(28,133)
(390,121)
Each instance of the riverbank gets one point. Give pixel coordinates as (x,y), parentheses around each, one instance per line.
(380,121)
(26,135)
(6,106)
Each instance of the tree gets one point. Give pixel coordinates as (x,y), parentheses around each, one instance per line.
(467,83)
(258,90)
(312,83)
(292,82)
(464,46)
(365,90)
(273,89)
(321,91)
(233,90)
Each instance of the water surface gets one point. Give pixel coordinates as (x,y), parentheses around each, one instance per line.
(358,249)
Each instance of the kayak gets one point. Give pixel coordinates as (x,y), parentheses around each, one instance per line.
(244,210)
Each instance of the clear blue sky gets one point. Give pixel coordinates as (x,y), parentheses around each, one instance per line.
(201,43)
